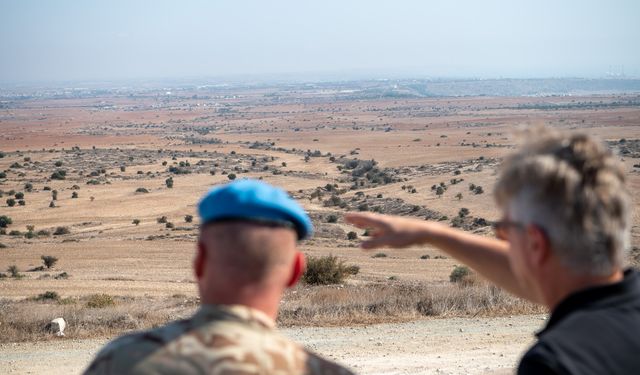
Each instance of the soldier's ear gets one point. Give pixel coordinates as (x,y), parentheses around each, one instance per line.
(299,265)
(199,260)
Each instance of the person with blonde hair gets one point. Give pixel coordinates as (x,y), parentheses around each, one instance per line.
(561,242)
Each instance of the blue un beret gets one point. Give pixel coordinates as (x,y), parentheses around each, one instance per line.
(253,200)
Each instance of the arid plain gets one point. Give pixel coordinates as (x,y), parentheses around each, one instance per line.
(128,169)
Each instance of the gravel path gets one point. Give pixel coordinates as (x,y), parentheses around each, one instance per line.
(434,346)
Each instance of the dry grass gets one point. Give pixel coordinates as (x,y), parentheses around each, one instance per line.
(394,302)
(317,306)
(26,320)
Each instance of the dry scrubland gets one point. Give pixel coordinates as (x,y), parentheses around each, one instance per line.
(126,172)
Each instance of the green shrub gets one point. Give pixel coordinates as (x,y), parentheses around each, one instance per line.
(59,175)
(61,230)
(379,255)
(188,218)
(141,190)
(161,220)
(332,219)
(459,274)
(48,260)
(13,271)
(47,296)
(169,225)
(11,202)
(74,195)
(231,176)
(169,182)
(19,195)
(5,221)
(352,235)
(327,270)
(136,221)
(99,301)
(426,256)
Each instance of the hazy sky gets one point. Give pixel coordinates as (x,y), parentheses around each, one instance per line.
(103,40)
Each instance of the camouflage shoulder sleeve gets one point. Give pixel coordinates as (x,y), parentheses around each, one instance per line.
(124,354)
(317,365)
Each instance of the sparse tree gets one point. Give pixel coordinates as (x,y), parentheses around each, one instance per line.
(49,261)
(439,191)
(5,221)
(11,202)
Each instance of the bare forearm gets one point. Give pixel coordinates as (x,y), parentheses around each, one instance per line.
(487,256)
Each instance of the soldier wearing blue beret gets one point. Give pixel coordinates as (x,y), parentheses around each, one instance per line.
(246,257)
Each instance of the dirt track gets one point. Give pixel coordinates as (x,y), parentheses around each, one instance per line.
(435,346)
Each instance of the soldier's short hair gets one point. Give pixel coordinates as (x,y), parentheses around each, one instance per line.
(573,187)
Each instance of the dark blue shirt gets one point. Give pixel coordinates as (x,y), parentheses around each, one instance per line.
(593,331)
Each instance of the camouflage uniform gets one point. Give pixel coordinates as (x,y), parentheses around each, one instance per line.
(218,339)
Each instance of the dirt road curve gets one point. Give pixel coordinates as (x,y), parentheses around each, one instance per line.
(435,346)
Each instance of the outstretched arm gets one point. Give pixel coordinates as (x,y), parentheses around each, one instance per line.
(488,256)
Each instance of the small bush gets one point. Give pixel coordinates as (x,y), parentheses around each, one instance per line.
(61,276)
(142,190)
(11,202)
(61,231)
(43,233)
(99,301)
(59,175)
(169,225)
(459,274)
(379,255)
(161,220)
(5,221)
(426,256)
(327,270)
(332,219)
(14,271)
(19,195)
(352,235)
(74,195)
(169,182)
(188,218)
(47,296)
(231,176)
(136,221)
(48,260)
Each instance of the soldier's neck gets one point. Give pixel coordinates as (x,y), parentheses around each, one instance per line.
(266,301)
